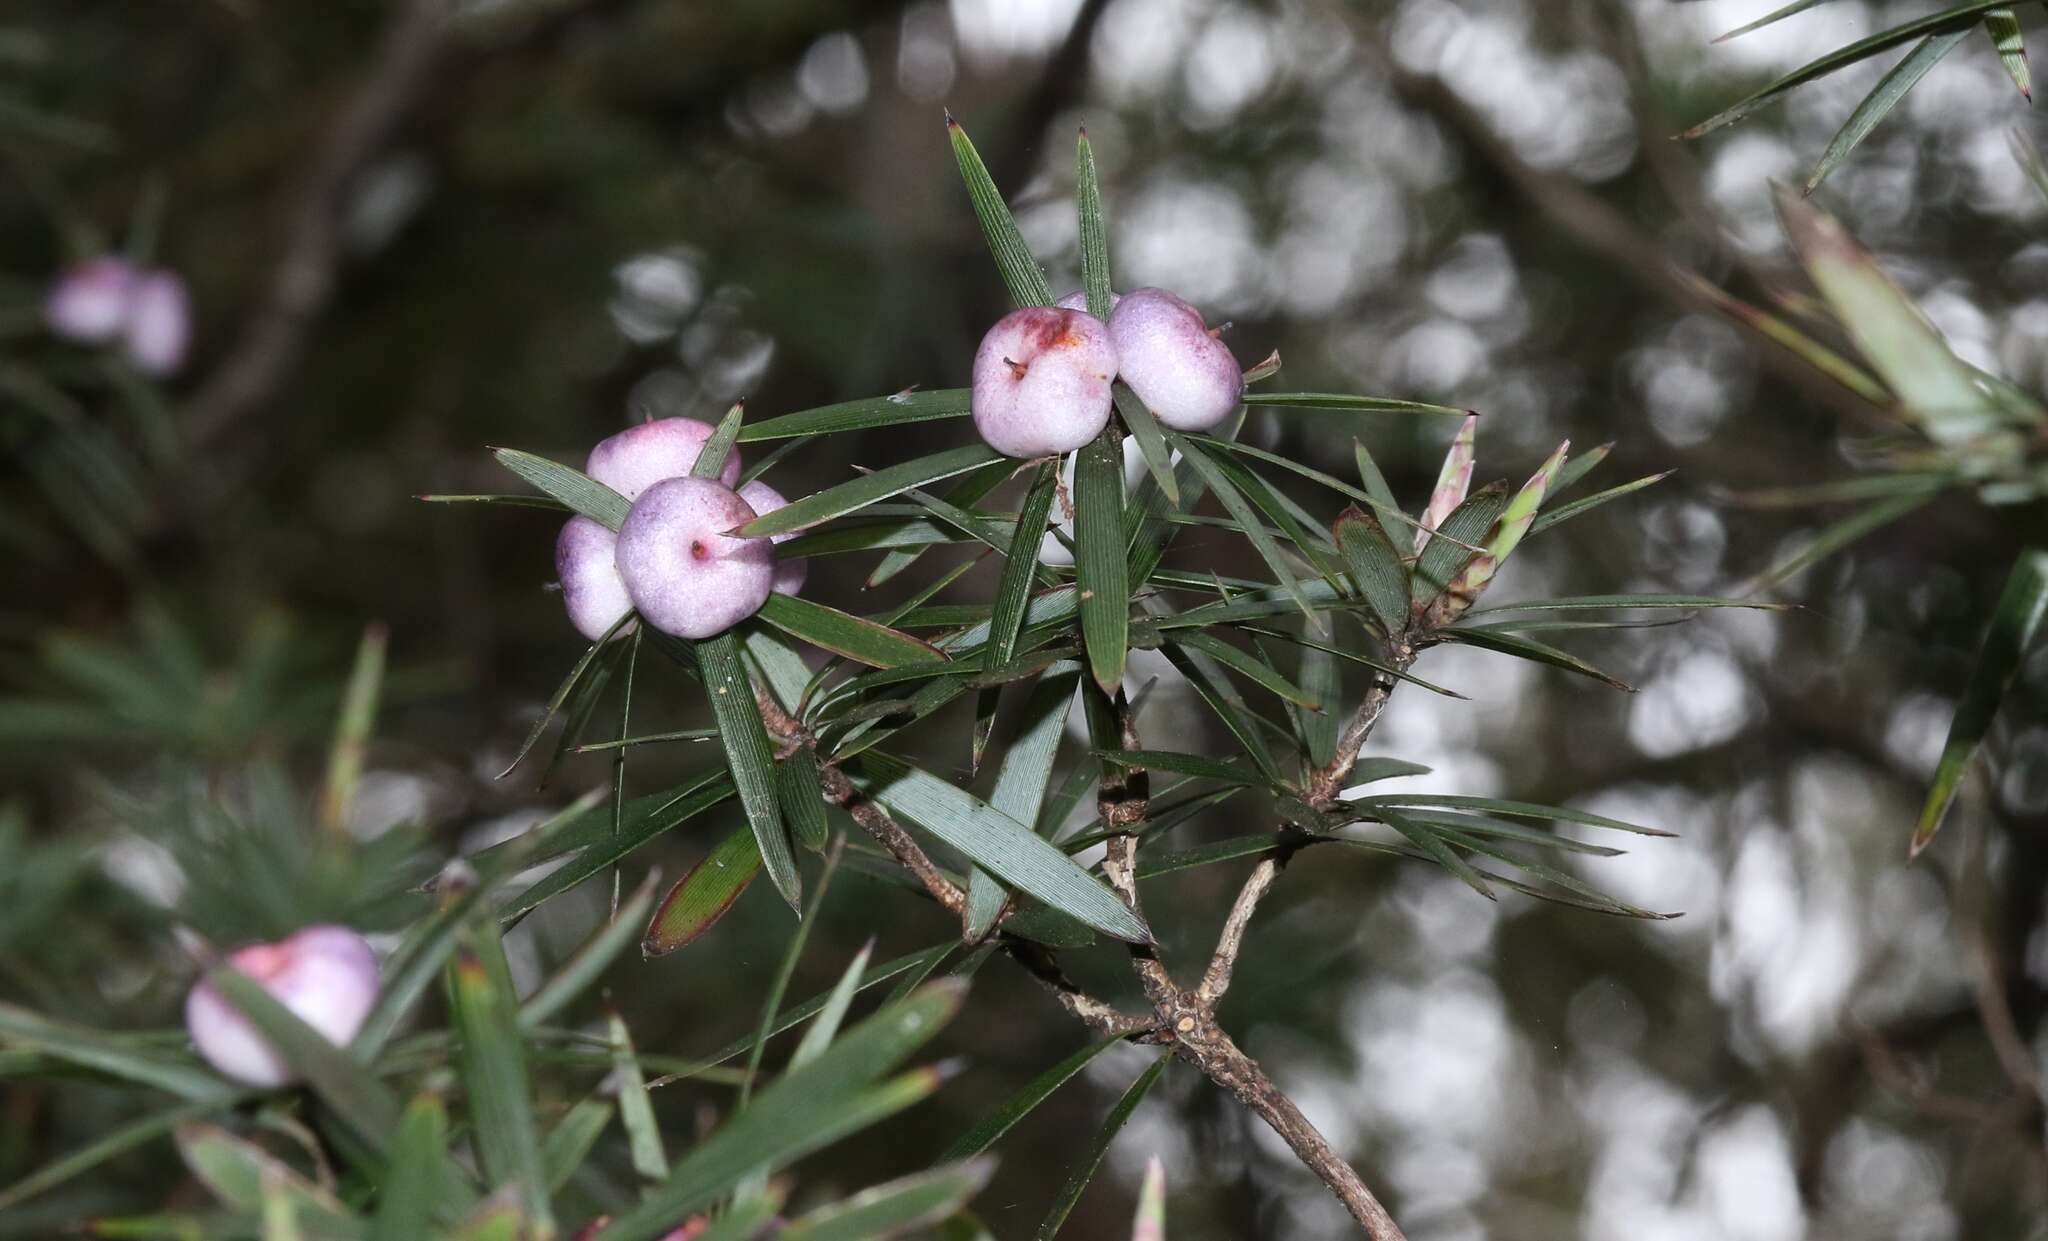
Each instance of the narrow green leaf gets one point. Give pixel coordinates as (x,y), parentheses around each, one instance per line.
(568,686)
(802,1111)
(1083,1172)
(1776,15)
(1198,766)
(636,1112)
(711,458)
(858,494)
(857,638)
(1248,666)
(591,958)
(1565,512)
(825,1026)
(751,760)
(1374,481)
(243,1175)
(547,503)
(1094,236)
(1013,591)
(1530,649)
(1151,441)
(902,409)
(2003,25)
(405,1201)
(1239,508)
(2029,159)
(114,1142)
(1835,537)
(1099,564)
(894,1209)
(783,973)
(572,487)
(1375,564)
(999,844)
(492,1056)
(2014,624)
(1939,391)
(796,779)
(568,1144)
(1020,271)
(352,728)
(1021,780)
(704,894)
(104,1053)
(1322,678)
(1430,842)
(597,847)
(1886,95)
(990,1129)
(968,492)
(1343,403)
(1582,603)
(1222,698)
(1495,805)
(1442,559)
(1862,49)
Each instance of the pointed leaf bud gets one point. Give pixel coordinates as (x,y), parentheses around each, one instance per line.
(1514,523)
(1452,482)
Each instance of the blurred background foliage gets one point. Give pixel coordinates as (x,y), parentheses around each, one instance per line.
(403,247)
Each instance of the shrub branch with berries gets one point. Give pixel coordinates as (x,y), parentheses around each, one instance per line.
(673,544)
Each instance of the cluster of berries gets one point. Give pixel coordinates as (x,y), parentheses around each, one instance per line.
(1043,374)
(675,560)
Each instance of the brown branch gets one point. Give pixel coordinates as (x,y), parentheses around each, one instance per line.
(303,280)
(1216,979)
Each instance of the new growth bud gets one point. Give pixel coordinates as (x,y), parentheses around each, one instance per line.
(682,569)
(1452,482)
(325,975)
(1508,532)
(641,456)
(1176,365)
(763,499)
(1041,381)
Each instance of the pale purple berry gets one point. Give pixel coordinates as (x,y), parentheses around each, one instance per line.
(159,327)
(685,573)
(586,564)
(1185,376)
(326,976)
(789,574)
(641,456)
(1041,381)
(1078,300)
(89,301)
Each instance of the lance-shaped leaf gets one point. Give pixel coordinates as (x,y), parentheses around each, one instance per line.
(1099,564)
(1094,237)
(2003,25)
(1443,559)
(855,637)
(1530,649)
(1515,521)
(711,457)
(1000,845)
(241,1174)
(1013,590)
(1963,15)
(636,1112)
(1565,512)
(1939,391)
(1021,780)
(831,1096)
(1885,96)
(867,489)
(901,409)
(1013,258)
(1375,564)
(1091,1159)
(1340,402)
(753,764)
(405,1200)
(704,894)
(492,1056)
(572,487)
(2013,626)
(990,1128)
(591,958)
(1453,480)
(898,1208)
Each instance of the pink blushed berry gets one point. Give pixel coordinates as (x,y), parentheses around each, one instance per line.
(684,570)
(325,975)
(1183,373)
(641,456)
(1041,381)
